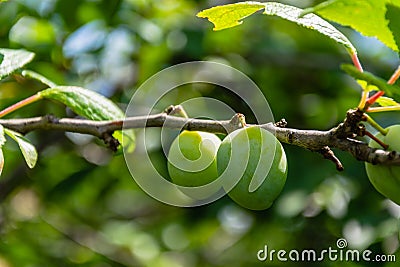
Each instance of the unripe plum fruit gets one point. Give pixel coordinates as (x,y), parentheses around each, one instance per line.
(252,153)
(192,161)
(386,179)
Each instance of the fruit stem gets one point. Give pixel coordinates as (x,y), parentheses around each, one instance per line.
(380,109)
(20,104)
(385,146)
(364,93)
(374,124)
(356,61)
(395,76)
(371,100)
(363,100)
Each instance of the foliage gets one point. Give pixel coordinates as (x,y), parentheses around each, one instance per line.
(13,60)
(79,205)
(357,14)
(227,16)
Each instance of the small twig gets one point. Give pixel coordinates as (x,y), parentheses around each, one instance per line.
(329,155)
(382,144)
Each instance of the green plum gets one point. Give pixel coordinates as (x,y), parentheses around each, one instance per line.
(192,162)
(255,160)
(386,179)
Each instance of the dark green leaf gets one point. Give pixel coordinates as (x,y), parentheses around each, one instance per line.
(393,16)
(13,60)
(28,150)
(390,90)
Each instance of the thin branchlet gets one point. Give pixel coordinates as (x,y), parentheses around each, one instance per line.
(341,137)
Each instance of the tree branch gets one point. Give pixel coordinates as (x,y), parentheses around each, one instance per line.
(340,137)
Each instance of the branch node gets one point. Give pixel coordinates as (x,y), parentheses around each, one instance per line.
(176,110)
(237,121)
(329,155)
(349,127)
(110,141)
(281,124)
(50,118)
(169,109)
(392,155)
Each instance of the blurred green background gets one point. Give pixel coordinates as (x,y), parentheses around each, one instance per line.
(80,206)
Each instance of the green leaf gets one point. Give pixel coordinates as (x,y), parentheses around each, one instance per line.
(2,137)
(1,58)
(38,77)
(230,15)
(386,101)
(227,16)
(365,16)
(1,160)
(91,105)
(84,102)
(393,15)
(310,21)
(13,60)
(28,150)
(2,141)
(367,87)
(390,90)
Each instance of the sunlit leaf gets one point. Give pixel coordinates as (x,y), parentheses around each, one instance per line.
(230,15)
(386,101)
(365,16)
(28,150)
(13,60)
(367,87)
(390,90)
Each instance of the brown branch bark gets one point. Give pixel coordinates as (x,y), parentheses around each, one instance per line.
(340,137)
